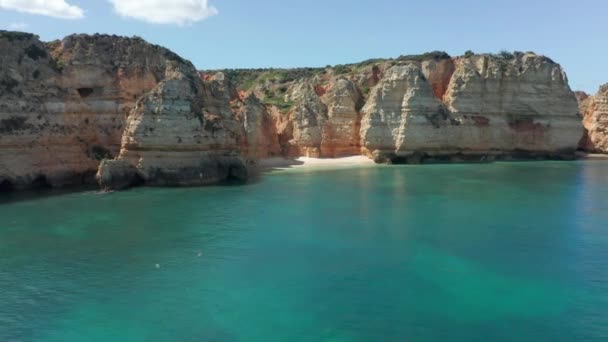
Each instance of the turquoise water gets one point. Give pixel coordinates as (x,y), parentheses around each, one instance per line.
(495,252)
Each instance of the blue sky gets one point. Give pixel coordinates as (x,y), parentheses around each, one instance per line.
(281,33)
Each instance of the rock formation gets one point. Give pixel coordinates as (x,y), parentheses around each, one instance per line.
(260,131)
(65,105)
(341,131)
(422,107)
(135,113)
(595,120)
(402,110)
(172,142)
(492,106)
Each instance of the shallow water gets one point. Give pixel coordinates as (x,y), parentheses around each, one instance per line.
(493,252)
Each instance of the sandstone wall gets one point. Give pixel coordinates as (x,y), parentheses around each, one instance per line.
(65,105)
(172,142)
(595,110)
(261,139)
(68,105)
(492,106)
(428,106)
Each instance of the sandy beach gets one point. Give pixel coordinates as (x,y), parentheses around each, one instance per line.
(303,163)
(595,156)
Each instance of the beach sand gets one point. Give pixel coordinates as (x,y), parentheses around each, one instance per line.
(305,163)
(595,156)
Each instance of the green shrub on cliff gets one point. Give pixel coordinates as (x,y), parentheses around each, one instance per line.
(425,56)
(246,79)
(370,62)
(504,54)
(342,69)
(34,52)
(279,102)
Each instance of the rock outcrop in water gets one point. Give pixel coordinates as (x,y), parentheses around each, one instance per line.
(595,113)
(134,113)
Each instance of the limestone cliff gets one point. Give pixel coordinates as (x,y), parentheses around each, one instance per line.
(492,106)
(171,142)
(401,111)
(260,130)
(136,113)
(423,107)
(34,149)
(595,112)
(65,105)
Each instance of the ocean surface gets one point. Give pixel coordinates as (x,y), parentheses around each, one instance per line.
(491,252)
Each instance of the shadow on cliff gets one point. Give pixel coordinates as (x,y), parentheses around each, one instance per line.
(275,164)
(256,172)
(267,166)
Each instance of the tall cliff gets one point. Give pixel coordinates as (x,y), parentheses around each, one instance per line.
(130,112)
(423,107)
(492,106)
(595,113)
(67,105)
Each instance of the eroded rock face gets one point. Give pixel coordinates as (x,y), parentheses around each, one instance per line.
(172,141)
(438,73)
(65,105)
(595,111)
(49,133)
(325,120)
(308,120)
(402,113)
(479,106)
(492,106)
(340,135)
(260,130)
(117,175)
(524,103)
(26,137)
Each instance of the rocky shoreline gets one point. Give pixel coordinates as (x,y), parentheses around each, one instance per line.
(123,112)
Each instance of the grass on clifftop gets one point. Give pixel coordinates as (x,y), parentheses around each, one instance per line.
(248,78)
(425,56)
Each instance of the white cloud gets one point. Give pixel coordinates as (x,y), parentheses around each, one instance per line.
(180,12)
(51,8)
(17,26)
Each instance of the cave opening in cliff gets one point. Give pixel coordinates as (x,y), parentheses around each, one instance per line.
(85,92)
(137,180)
(41,182)
(6,186)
